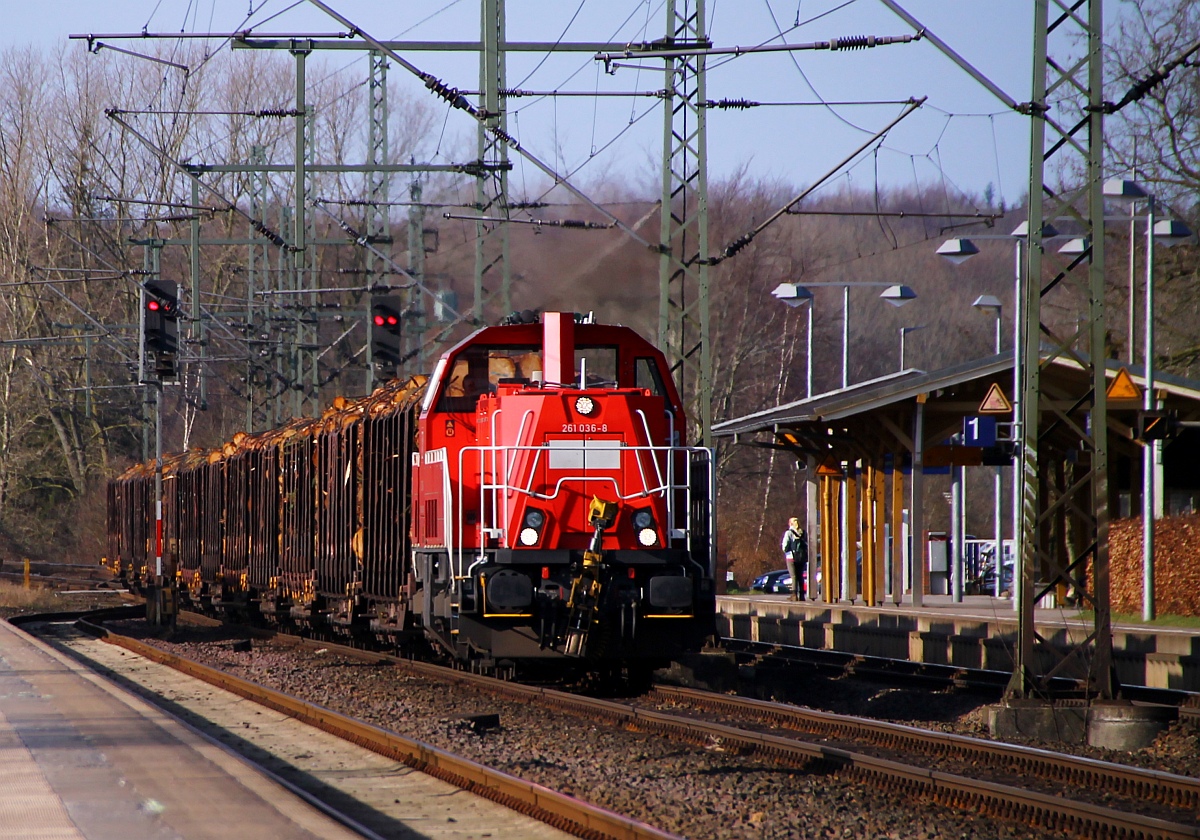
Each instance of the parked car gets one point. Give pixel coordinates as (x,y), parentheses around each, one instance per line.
(783,586)
(985,583)
(766,582)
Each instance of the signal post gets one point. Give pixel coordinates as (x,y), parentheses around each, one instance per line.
(384,328)
(160,341)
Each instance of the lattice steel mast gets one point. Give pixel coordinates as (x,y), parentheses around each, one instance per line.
(683,307)
(1068,428)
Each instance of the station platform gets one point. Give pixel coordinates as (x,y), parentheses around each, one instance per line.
(80,758)
(978,632)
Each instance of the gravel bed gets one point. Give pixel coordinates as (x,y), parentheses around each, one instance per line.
(1176,750)
(932,759)
(694,792)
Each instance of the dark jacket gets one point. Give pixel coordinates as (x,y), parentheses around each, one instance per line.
(796,545)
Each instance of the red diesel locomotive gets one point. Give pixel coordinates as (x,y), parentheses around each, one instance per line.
(532,502)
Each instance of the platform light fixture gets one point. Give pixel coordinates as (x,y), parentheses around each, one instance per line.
(1076,246)
(958,250)
(1124,190)
(987,303)
(1021,231)
(792,294)
(898,295)
(1171,232)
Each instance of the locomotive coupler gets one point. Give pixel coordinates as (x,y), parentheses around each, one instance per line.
(584,604)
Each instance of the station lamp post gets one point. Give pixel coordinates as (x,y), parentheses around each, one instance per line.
(903,332)
(792,294)
(989,304)
(958,251)
(1168,232)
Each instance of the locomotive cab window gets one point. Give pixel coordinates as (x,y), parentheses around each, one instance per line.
(649,377)
(479,369)
(599,366)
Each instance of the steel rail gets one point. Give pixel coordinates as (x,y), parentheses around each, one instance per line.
(995,799)
(1134,782)
(559,810)
(961,792)
(955,676)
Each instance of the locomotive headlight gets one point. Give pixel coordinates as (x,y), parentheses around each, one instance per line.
(585,405)
(528,536)
(643,519)
(534,518)
(647,537)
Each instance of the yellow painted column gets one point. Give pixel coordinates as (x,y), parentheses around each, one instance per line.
(831,537)
(879,551)
(897,530)
(850,529)
(867,519)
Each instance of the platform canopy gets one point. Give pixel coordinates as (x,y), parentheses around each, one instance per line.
(876,417)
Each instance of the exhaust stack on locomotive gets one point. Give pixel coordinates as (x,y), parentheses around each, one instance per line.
(533,501)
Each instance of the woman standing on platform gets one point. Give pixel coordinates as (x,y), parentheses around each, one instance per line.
(795,554)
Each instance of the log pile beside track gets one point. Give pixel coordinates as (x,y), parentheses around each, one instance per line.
(1176,565)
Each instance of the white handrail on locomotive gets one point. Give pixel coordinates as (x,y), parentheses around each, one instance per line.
(506,457)
(521,432)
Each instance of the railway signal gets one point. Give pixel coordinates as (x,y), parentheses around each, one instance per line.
(1156,425)
(160,324)
(385,328)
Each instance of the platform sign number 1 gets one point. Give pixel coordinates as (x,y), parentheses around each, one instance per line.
(979,431)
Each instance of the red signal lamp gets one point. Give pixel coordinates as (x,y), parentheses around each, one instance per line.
(379,321)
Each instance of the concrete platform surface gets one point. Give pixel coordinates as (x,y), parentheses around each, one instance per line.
(382,795)
(80,758)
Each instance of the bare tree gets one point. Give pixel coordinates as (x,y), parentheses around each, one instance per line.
(1158,135)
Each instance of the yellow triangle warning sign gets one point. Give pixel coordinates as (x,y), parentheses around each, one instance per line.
(1123,387)
(995,402)
(828,467)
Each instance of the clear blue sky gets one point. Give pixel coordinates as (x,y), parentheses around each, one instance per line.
(964,137)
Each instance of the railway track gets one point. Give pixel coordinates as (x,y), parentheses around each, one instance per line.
(771,657)
(1039,788)
(557,810)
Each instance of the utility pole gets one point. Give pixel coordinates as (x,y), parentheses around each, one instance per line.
(491,187)
(417,306)
(1078,436)
(683,305)
(379,222)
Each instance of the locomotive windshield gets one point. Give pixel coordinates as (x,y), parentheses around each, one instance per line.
(599,365)
(480,368)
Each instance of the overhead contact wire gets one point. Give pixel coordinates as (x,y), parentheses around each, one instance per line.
(456,99)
